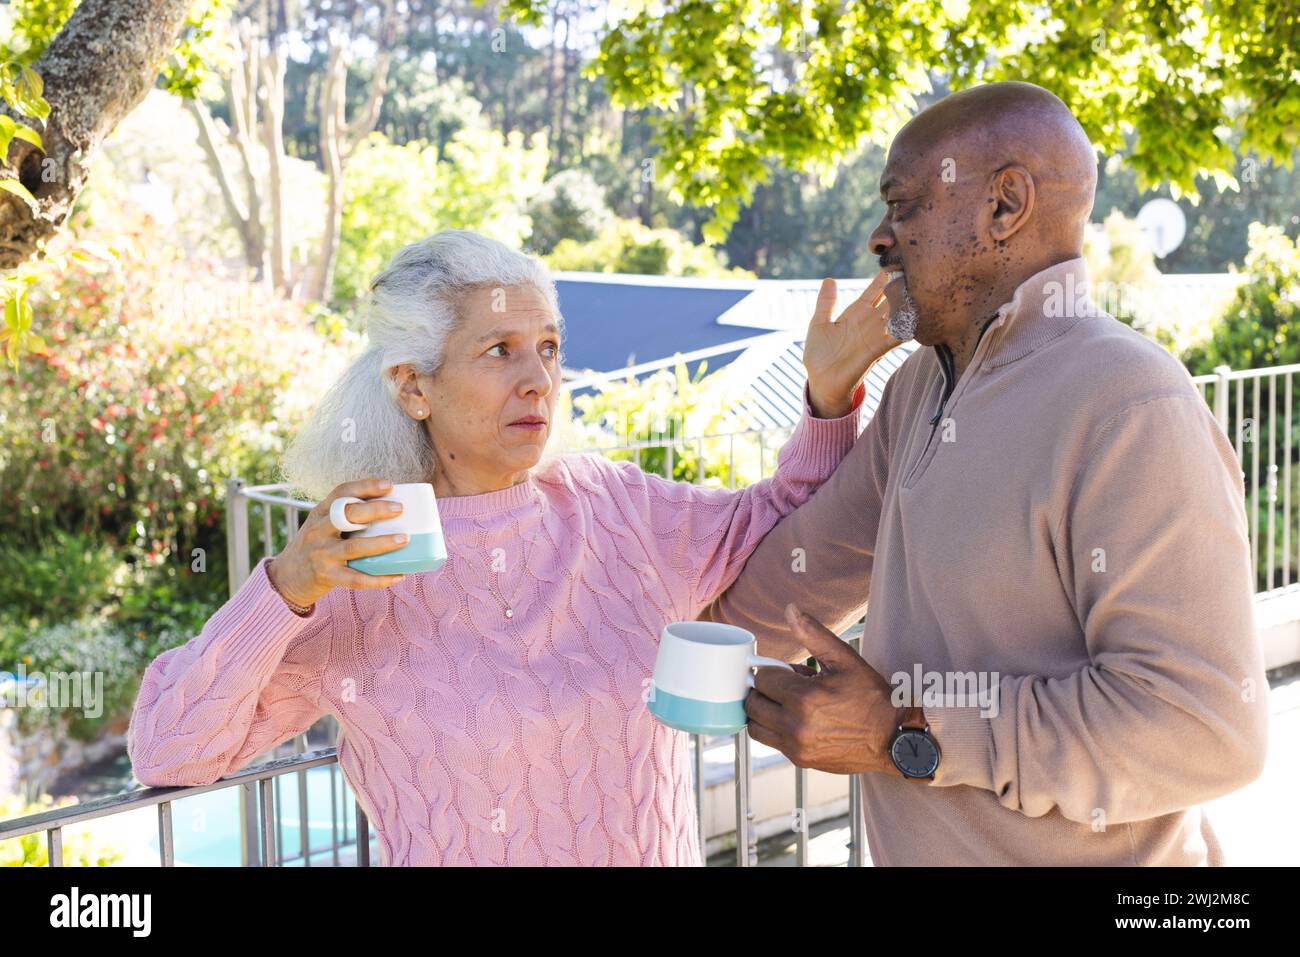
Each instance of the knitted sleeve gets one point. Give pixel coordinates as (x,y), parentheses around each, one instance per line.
(702,536)
(248,681)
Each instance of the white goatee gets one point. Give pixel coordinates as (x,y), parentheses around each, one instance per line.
(902,323)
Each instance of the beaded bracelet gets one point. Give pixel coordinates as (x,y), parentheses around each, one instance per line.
(293,606)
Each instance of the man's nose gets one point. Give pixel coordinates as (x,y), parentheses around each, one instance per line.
(881,239)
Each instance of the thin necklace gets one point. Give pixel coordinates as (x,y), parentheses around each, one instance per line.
(508,606)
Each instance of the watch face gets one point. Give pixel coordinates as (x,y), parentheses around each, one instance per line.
(915,753)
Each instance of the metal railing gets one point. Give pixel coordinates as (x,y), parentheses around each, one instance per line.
(1244,402)
(267,497)
(1246,405)
(261,820)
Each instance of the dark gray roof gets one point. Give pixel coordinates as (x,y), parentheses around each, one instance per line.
(610,325)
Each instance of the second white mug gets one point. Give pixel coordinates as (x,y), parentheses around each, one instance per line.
(702,675)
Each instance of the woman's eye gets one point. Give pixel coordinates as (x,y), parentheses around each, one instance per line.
(552,350)
(499,345)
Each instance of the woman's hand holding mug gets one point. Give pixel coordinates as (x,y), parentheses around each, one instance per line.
(838,354)
(316,560)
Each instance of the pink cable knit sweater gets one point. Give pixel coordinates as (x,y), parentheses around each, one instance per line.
(470,738)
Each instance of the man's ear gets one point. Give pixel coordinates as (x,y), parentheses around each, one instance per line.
(1013,201)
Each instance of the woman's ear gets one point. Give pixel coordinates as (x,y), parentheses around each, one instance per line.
(409,393)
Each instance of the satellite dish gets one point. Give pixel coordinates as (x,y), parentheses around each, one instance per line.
(1163,224)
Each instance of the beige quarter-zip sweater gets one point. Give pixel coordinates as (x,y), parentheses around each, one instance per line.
(1064,527)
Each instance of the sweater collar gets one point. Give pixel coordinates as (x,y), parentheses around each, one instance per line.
(521,495)
(1043,307)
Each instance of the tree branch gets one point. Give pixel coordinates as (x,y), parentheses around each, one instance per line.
(98,68)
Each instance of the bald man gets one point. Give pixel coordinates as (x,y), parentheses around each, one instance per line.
(1044,525)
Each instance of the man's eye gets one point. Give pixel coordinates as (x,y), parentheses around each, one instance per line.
(552,350)
(897,211)
(499,345)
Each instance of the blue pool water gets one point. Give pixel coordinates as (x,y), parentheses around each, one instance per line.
(205,827)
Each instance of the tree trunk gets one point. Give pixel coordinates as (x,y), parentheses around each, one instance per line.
(272,109)
(333,100)
(98,68)
(244,214)
(339,139)
(241,92)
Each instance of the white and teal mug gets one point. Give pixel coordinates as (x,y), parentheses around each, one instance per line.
(702,675)
(425,549)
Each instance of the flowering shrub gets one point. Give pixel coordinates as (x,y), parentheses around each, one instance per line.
(105,661)
(160,380)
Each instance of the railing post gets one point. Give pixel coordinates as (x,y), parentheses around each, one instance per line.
(699,794)
(746,849)
(249,852)
(1221,397)
(236,533)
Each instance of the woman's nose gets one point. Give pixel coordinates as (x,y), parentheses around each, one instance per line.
(535,378)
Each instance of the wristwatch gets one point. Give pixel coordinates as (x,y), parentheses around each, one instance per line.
(914,752)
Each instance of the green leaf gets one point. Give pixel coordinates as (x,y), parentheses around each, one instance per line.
(30,135)
(21,191)
(30,81)
(29,90)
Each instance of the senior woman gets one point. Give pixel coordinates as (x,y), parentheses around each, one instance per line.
(492,711)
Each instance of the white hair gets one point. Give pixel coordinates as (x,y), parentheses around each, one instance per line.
(360,430)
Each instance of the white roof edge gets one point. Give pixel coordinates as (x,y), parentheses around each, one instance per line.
(695,282)
(589,378)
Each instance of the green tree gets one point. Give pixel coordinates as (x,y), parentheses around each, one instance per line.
(1262,325)
(398,194)
(1217,223)
(626,246)
(664,419)
(740,82)
(571,205)
(1261,328)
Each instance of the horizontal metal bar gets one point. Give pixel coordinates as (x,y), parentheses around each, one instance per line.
(1260,373)
(148,797)
(262,493)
